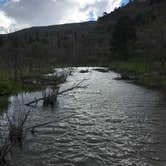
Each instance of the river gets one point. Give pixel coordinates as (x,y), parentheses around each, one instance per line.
(109,123)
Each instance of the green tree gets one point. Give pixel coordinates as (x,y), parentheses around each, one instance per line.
(1,41)
(123,37)
(15,62)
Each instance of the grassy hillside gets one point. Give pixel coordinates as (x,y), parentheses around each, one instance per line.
(136,31)
(142,52)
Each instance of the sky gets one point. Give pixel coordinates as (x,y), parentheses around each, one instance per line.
(19,14)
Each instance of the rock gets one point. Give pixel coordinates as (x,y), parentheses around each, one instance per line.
(84,71)
(102,70)
(125,76)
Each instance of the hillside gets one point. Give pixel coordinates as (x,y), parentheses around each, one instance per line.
(90,43)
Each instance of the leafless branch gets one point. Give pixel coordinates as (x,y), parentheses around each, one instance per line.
(75,86)
(46,123)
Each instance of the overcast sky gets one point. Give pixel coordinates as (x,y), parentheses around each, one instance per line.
(18,14)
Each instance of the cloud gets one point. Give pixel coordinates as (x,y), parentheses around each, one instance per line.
(26,13)
(5,22)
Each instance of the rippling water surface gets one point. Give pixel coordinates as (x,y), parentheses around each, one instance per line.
(109,123)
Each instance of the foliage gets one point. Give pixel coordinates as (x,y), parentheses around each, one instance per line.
(148,74)
(8,87)
(3,102)
(123,36)
(136,30)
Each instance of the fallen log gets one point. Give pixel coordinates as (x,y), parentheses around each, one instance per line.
(34,101)
(75,86)
(48,100)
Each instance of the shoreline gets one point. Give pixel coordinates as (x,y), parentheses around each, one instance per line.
(146,80)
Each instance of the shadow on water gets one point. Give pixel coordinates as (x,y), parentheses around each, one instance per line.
(112,123)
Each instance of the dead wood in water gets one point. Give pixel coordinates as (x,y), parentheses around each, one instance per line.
(34,101)
(75,86)
(48,100)
(46,123)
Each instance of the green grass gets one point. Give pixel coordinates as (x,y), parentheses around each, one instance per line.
(8,87)
(11,87)
(4,101)
(6,73)
(157,81)
(137,66)
(147,72)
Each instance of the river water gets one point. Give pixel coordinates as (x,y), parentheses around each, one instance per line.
(109,123)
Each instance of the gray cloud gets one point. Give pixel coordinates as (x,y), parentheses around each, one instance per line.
(26,13)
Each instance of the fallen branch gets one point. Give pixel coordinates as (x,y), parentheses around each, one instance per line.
(34,101)
(46,123)
(75,86)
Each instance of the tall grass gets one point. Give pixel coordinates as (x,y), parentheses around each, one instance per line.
(5,143)
(16,123)
(11,131)
(138,66)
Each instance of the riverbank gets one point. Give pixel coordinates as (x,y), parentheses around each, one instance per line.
(150,74)
(9,87)
(35,82)
(29,82)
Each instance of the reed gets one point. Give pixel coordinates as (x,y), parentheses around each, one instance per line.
(16,124)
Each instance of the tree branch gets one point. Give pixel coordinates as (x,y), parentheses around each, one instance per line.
(46,123)
(75,86)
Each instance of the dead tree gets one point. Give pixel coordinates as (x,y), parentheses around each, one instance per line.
(51,97)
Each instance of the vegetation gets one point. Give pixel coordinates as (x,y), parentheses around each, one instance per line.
(8,87)
(123,37)
(3,102)
(138,42)
(130,39)
(147,74)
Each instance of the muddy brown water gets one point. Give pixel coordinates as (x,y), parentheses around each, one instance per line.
(110,123)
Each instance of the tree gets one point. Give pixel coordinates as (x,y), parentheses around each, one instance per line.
(1,41)
(124,35)
(15,57)
(161,49)
(105,13)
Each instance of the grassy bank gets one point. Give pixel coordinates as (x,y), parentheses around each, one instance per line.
(150,74)
(9,87)
(30,82)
